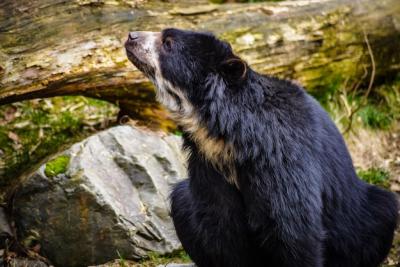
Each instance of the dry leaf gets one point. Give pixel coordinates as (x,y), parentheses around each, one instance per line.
(13,136)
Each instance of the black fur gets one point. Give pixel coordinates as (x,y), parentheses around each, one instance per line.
(298,202)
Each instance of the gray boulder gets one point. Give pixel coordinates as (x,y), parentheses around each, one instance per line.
(104,198)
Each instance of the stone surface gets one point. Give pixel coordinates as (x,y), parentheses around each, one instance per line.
(109,201)
(21,262)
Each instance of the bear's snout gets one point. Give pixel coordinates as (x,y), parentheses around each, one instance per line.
(142,49)
(133,36)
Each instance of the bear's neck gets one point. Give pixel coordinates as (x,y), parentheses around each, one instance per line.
(215,150)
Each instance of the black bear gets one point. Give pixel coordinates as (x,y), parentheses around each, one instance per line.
(271,182)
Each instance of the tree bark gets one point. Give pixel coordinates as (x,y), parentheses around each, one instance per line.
(56,47)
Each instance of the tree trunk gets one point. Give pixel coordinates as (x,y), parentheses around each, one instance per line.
(56,47)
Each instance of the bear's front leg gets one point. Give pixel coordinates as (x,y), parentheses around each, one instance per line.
(210,221)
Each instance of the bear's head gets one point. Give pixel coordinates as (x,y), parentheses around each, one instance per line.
(184,64)
(201,81)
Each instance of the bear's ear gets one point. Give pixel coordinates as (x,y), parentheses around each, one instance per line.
(233,70)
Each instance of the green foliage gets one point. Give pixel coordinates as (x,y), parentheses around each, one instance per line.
(328,88)
(32,130)
(389,94)
(380,111)
(179,256)
(121,260)
(383,106)
(373,117)
(376,176)
(57,166)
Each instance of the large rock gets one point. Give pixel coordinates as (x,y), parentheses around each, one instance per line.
(102,199)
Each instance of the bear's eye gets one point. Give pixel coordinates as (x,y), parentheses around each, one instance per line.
(168,43)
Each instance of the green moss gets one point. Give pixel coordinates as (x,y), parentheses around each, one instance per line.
(178,133)
(322,82)
(376,176)
(326,87)
(57,166)
(320,74)
(39,128)
(233,35)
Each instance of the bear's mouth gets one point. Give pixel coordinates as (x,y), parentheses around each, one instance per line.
(142,51)
(142,66)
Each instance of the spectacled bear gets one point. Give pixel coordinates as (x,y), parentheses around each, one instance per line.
(271,182)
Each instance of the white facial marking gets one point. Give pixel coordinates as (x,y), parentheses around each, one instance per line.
(150,48)
(217,151)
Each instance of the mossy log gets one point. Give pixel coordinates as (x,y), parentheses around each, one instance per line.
(55,47)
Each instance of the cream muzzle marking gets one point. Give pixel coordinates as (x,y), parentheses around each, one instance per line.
(144,55)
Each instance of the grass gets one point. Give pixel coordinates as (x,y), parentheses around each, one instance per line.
(375,176)
(153,260)
(177,257)
(121,260)
(374,117)
(380,111)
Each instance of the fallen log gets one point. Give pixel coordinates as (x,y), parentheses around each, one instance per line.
(51,48)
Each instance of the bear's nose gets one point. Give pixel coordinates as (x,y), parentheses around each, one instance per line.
(133,36)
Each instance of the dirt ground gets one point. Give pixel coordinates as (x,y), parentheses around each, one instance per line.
(380,149)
